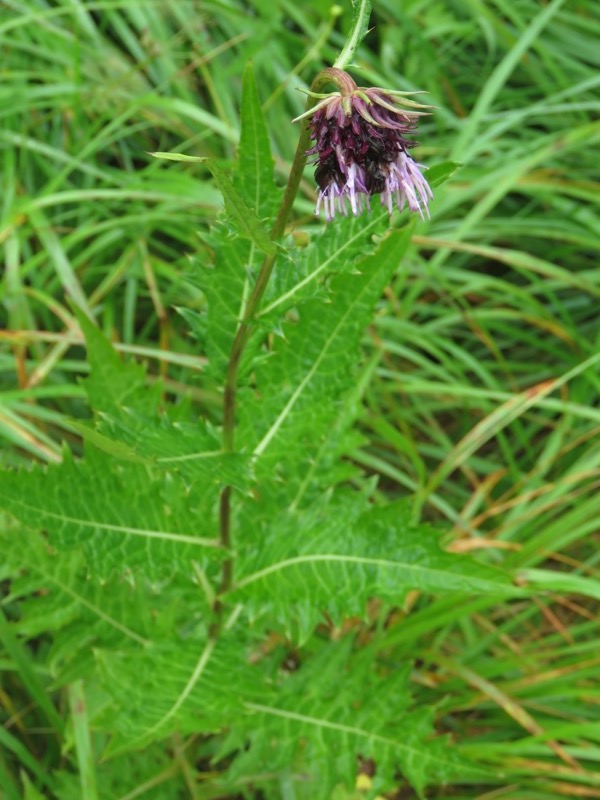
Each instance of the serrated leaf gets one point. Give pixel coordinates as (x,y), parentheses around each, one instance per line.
(130,428)
(284,419)
(245,219)
(121,516)
(114,384)
(226,286)
(196,684)
(333,250)
(191,450)
(254,175)
(339,705)
(336,557)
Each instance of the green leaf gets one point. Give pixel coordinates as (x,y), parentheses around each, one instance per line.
(130,428)
(440,173)
(244,218)
(306,273)
(254,175)
(196,685)
(122,516)
(554,581)
(293,404)
(114,385)
(192,450)
(226,285)
(339,700)
(71,606)
(335,557)
(341,704)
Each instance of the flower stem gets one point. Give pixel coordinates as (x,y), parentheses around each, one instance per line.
(360,28)
(345,85)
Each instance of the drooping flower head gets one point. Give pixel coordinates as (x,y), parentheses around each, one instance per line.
(361,141)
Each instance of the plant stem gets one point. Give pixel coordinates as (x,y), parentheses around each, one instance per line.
(360,28)
(345,85)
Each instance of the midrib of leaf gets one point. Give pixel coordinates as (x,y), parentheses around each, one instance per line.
(248,223)
(92,607)
(349,729)
(187,689)
(322,267)
(149,534)
(341,422)
(190,457)
(415,569)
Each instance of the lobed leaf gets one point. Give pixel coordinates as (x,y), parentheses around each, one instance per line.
(296,391)
(332,558)
(247,223)
(122,516)
(340,707)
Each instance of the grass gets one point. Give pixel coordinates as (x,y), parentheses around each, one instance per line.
(480,399)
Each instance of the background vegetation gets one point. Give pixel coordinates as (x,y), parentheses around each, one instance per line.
(478,393)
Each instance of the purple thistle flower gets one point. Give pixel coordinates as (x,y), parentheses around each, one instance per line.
(361,142)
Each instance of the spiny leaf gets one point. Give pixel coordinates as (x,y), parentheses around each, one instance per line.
(192,450)
(100,613)
(336,556)
(283,420)
(304,273)
(130,428)
(226,285)
(116,511)
(114,384)
(341,704)
(196,684)
(245,220)
(254,175)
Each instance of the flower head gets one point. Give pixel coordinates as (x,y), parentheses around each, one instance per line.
(361,141)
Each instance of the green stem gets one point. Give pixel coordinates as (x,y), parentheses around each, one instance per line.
(360,23)
(346,86)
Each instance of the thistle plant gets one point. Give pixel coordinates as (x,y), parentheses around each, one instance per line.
(231,584)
